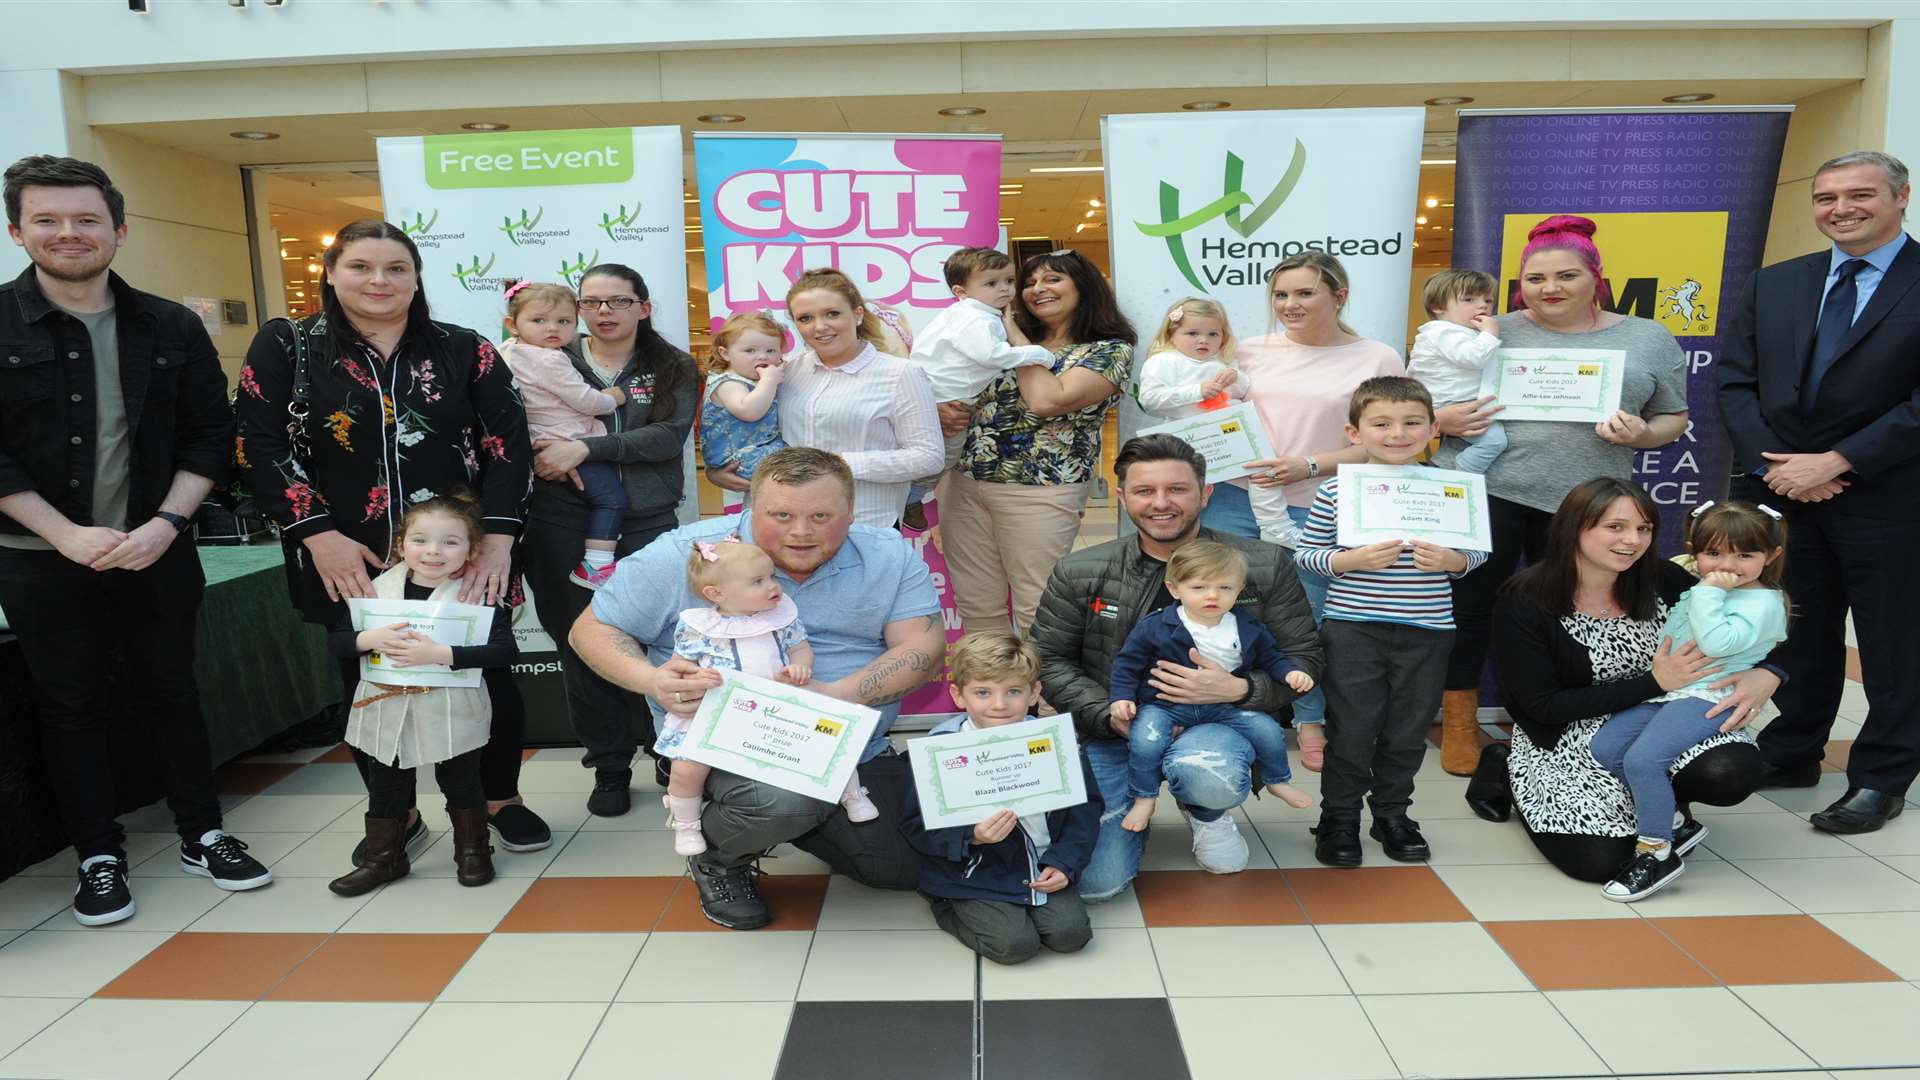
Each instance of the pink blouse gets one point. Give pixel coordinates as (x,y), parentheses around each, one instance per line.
(1302,393)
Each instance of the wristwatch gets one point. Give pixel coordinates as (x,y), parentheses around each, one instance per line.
(1313,467)
(179,523)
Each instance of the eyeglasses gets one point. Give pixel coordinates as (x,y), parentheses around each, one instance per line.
(617,303)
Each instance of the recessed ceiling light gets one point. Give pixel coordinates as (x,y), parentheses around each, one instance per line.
(1421,220)
(721,118)
(1206,106)
(1687,99)
(962,110)
(313,268)
(1095,203)
(486,125)
(1075,168)
(253,136)
(1450,99)
(326,240)
(1436,161)
(1432,201)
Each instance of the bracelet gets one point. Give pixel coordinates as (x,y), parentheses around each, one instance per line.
(1313,467)
(180,524)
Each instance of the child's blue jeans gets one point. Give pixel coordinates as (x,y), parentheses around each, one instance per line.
(1482,449)
(606,496)
(1153,726)
(1640,744)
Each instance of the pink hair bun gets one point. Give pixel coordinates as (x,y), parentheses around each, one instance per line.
(1563,223)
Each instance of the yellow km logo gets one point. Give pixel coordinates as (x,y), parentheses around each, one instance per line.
(1039,746)
(824,726)
(1589,369)
(1229,427)
(1454,492)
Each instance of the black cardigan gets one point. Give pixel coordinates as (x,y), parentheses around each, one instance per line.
(1546,677)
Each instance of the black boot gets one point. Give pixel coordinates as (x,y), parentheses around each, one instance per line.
(1337,840)
(472,854)
(1489,793)
(386,858)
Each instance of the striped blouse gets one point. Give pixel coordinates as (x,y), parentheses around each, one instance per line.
(1400,593)
(877,412)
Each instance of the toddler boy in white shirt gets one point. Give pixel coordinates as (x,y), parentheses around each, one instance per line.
(1451,351)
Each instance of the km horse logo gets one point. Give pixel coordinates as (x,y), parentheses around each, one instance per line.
(1173,225)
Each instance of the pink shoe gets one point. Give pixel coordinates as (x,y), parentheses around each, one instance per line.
(687,837)
(859,807)
(588,578)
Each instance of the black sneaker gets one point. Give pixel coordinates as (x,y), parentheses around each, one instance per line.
(728,896)
(1400,838)
(519,828)
(224,859)
(1642,876)
(417,839)
(102,897)
(611,797)
(1337,841)
(1687,836)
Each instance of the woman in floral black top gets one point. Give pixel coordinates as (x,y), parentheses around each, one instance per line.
(1014,502)
(399,409)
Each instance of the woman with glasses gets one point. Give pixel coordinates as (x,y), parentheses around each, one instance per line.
(1033,440)
(646,438)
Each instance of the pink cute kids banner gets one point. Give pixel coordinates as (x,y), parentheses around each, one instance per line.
(886,210)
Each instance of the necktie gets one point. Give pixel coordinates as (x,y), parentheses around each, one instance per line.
(1836,318)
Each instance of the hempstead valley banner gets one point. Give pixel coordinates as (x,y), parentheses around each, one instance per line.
(1207,204)
(544,205)
(1681,198)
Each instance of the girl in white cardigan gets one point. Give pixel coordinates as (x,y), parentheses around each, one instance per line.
(403,727)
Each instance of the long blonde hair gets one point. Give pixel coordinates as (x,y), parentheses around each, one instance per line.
(1332,275)
(740,323)
(870,329)
(1195,307)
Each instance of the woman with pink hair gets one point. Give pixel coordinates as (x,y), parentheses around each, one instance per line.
(1562,302)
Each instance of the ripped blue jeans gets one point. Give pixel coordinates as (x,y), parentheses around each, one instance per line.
(1208,772)
(1153,728)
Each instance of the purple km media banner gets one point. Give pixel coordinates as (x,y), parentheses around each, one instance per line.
(1681,198)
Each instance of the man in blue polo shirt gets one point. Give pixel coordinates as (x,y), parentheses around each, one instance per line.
(874,622)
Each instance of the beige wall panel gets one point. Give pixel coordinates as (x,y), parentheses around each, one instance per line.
(1111,64)
(170,185)
(1468,57)
(1445,117)
(1244,98)
(1729,54)
(1824,125)
(796,73)
(1790,229)
(247,92)
(176,261)
(797,114)
(1034,117)
(507,81)
(1725,91)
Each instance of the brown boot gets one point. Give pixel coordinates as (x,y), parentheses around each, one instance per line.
(386,858)
(472,854)
(1460,731)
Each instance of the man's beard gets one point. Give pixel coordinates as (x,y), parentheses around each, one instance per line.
(75,277)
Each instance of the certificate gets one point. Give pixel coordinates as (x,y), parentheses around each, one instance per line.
(1556,384)
(1413,502)
(781,735)
(1228,438)
(1029,768)
(443,621)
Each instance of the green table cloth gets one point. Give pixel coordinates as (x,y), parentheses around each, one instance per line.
(260,669)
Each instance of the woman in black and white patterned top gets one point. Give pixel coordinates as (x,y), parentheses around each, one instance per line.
(1576,637)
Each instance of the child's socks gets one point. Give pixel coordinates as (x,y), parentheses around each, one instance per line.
(596,558)
(684,816)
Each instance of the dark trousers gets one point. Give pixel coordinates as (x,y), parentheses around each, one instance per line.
(611,722)
(78,629)
(1517,530)
(1383,689)
(607,494)
(1014,933)
(1837,561)
(744,818)
(499,760)
(390,789)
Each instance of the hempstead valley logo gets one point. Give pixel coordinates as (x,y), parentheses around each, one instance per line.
(572,272)
(420,224)
(473,275)
(420,230)
(620,225)
(518,232)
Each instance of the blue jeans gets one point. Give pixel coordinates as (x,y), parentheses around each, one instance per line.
(607,495)
(1311,707)
(1207,771)
(1482,449)
(1229,510)
(1153,727)
(1639,745)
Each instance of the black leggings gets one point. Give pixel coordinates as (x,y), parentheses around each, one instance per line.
(1517,530)
(1723,776)
(390,788)
(499,760)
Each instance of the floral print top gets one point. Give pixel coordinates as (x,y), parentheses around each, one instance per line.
(381,433)
(1008,444)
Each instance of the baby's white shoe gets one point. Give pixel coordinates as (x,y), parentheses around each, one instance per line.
(859,807)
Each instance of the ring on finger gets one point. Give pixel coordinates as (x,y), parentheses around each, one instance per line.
(679,698)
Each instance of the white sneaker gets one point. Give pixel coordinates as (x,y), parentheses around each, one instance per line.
(859,807)
(687,837)
(1218,846)
(1283,532)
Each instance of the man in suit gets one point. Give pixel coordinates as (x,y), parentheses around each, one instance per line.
(1820,393)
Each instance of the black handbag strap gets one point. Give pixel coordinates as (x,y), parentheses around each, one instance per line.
(297,404)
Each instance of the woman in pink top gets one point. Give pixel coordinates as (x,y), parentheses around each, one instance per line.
(1303,375)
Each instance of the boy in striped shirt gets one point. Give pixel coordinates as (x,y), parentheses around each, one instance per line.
(1387,631)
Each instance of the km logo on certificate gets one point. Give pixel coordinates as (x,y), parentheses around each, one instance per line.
(781,735)
(1029,768)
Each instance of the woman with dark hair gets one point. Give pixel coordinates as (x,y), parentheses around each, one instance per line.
(1015,499)
(647,439)
(348,417)
(1577,637)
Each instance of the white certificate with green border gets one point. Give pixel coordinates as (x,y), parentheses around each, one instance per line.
(1228,438)
(1029,768)
(1556,384)
(1413,502)
(444,621)
(781,735)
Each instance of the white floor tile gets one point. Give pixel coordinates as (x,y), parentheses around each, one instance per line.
(1267,809)
(1223,961)
(1326,1038)
(53,963)
(701,966)
(1116,963)
(1850,1025)
(1719,1032)
(437,860)
(555,778)
(295,813)
(679,1040)
(325,855)
(1769,836)
(123,1040)
(1473,842)
(546,967)
(1899,837)
(463,1041)
(1891,937)
(161,904)
(1424,1033)
(1421,958)
(1121,911)
(1908,865)
(618,854)
(1289,844)
(291,905)
(305,1040)
(853,906)
(1501,893)
(23,1018)
(887,965)
(332,778)
(1819,886)
(420,905)
(1807,799)
(26,902)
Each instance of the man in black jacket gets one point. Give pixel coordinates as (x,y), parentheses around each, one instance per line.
(1095,597)
(1820,392)
(113,426)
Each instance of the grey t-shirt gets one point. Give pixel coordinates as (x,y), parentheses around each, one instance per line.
(113,447)
(1546,459)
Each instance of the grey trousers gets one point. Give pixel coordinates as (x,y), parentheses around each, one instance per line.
(1384,682)
(1012,933)
(745,818)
